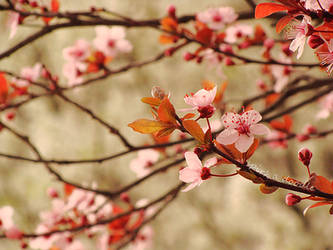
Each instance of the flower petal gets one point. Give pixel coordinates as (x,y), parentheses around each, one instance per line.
(259,129)
(193,160)
(228,136)
(230,119)
(251,117)
(210,162)
(191,186)
(189,175)
(244,142)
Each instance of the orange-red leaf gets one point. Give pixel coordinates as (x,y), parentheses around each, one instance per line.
(167,39)
(322,184)
(250,176)
(282,23)
(68,189)
(318,204)
(166,112)
(55,5)
(204,36)
(169,24)
(188,116)
(267,189)
(195,130)
(165,132)
(266,9)
(151,101)
(3,88)
(146,126)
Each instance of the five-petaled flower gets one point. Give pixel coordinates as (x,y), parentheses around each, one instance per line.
(111,41)
(216,18)
(239,129)
(195,173)
(298,32)
(202,101)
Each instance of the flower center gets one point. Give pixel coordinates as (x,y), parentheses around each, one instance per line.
(206,111)
(243,129)
(205,173)
(217,18)
(111,43)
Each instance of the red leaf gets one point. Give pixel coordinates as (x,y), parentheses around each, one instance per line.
(204,36)
(195,130)
(318,204)
(55,5)
(166,112)
(3,88)
(146,126)
(267,189)
(266,9)
(151,101)
(283,22)
(322,184)
(68,189)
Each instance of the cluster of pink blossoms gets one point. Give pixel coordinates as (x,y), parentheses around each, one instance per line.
(238,129)
(109,42)
(81,208)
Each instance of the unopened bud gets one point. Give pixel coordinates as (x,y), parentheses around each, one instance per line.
(305,155)
(269,43)
(188,56)
(125,197)
(172,11)
(292,199)
(302,137)
(52,193)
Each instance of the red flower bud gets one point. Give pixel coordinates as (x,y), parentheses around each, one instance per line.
(302,137)
(305,155)
(172,11)
(292,199)
(188,56)
(125,197)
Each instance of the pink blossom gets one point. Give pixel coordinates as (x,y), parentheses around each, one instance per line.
(194,170)
(12,23)
(6,217)
(78,52)
(298,32)
(314,6)
(29,73)
(202,101)
(144,239)
(326,104)
(13,233)
(73,72)
(216,18)
(240,129)
(111,41)
(281,74)
(234,32)
(141,165)
(277,139)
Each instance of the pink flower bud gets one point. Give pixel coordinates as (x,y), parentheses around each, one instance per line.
(292,199)
(125,198)
(305,155)
(172,11)
(228,61)
(302,137)
(269,43)
(169,51)
(52,193)
(188,56)
(310,129)
(13,233)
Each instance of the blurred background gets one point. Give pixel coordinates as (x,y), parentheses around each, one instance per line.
(223,213)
